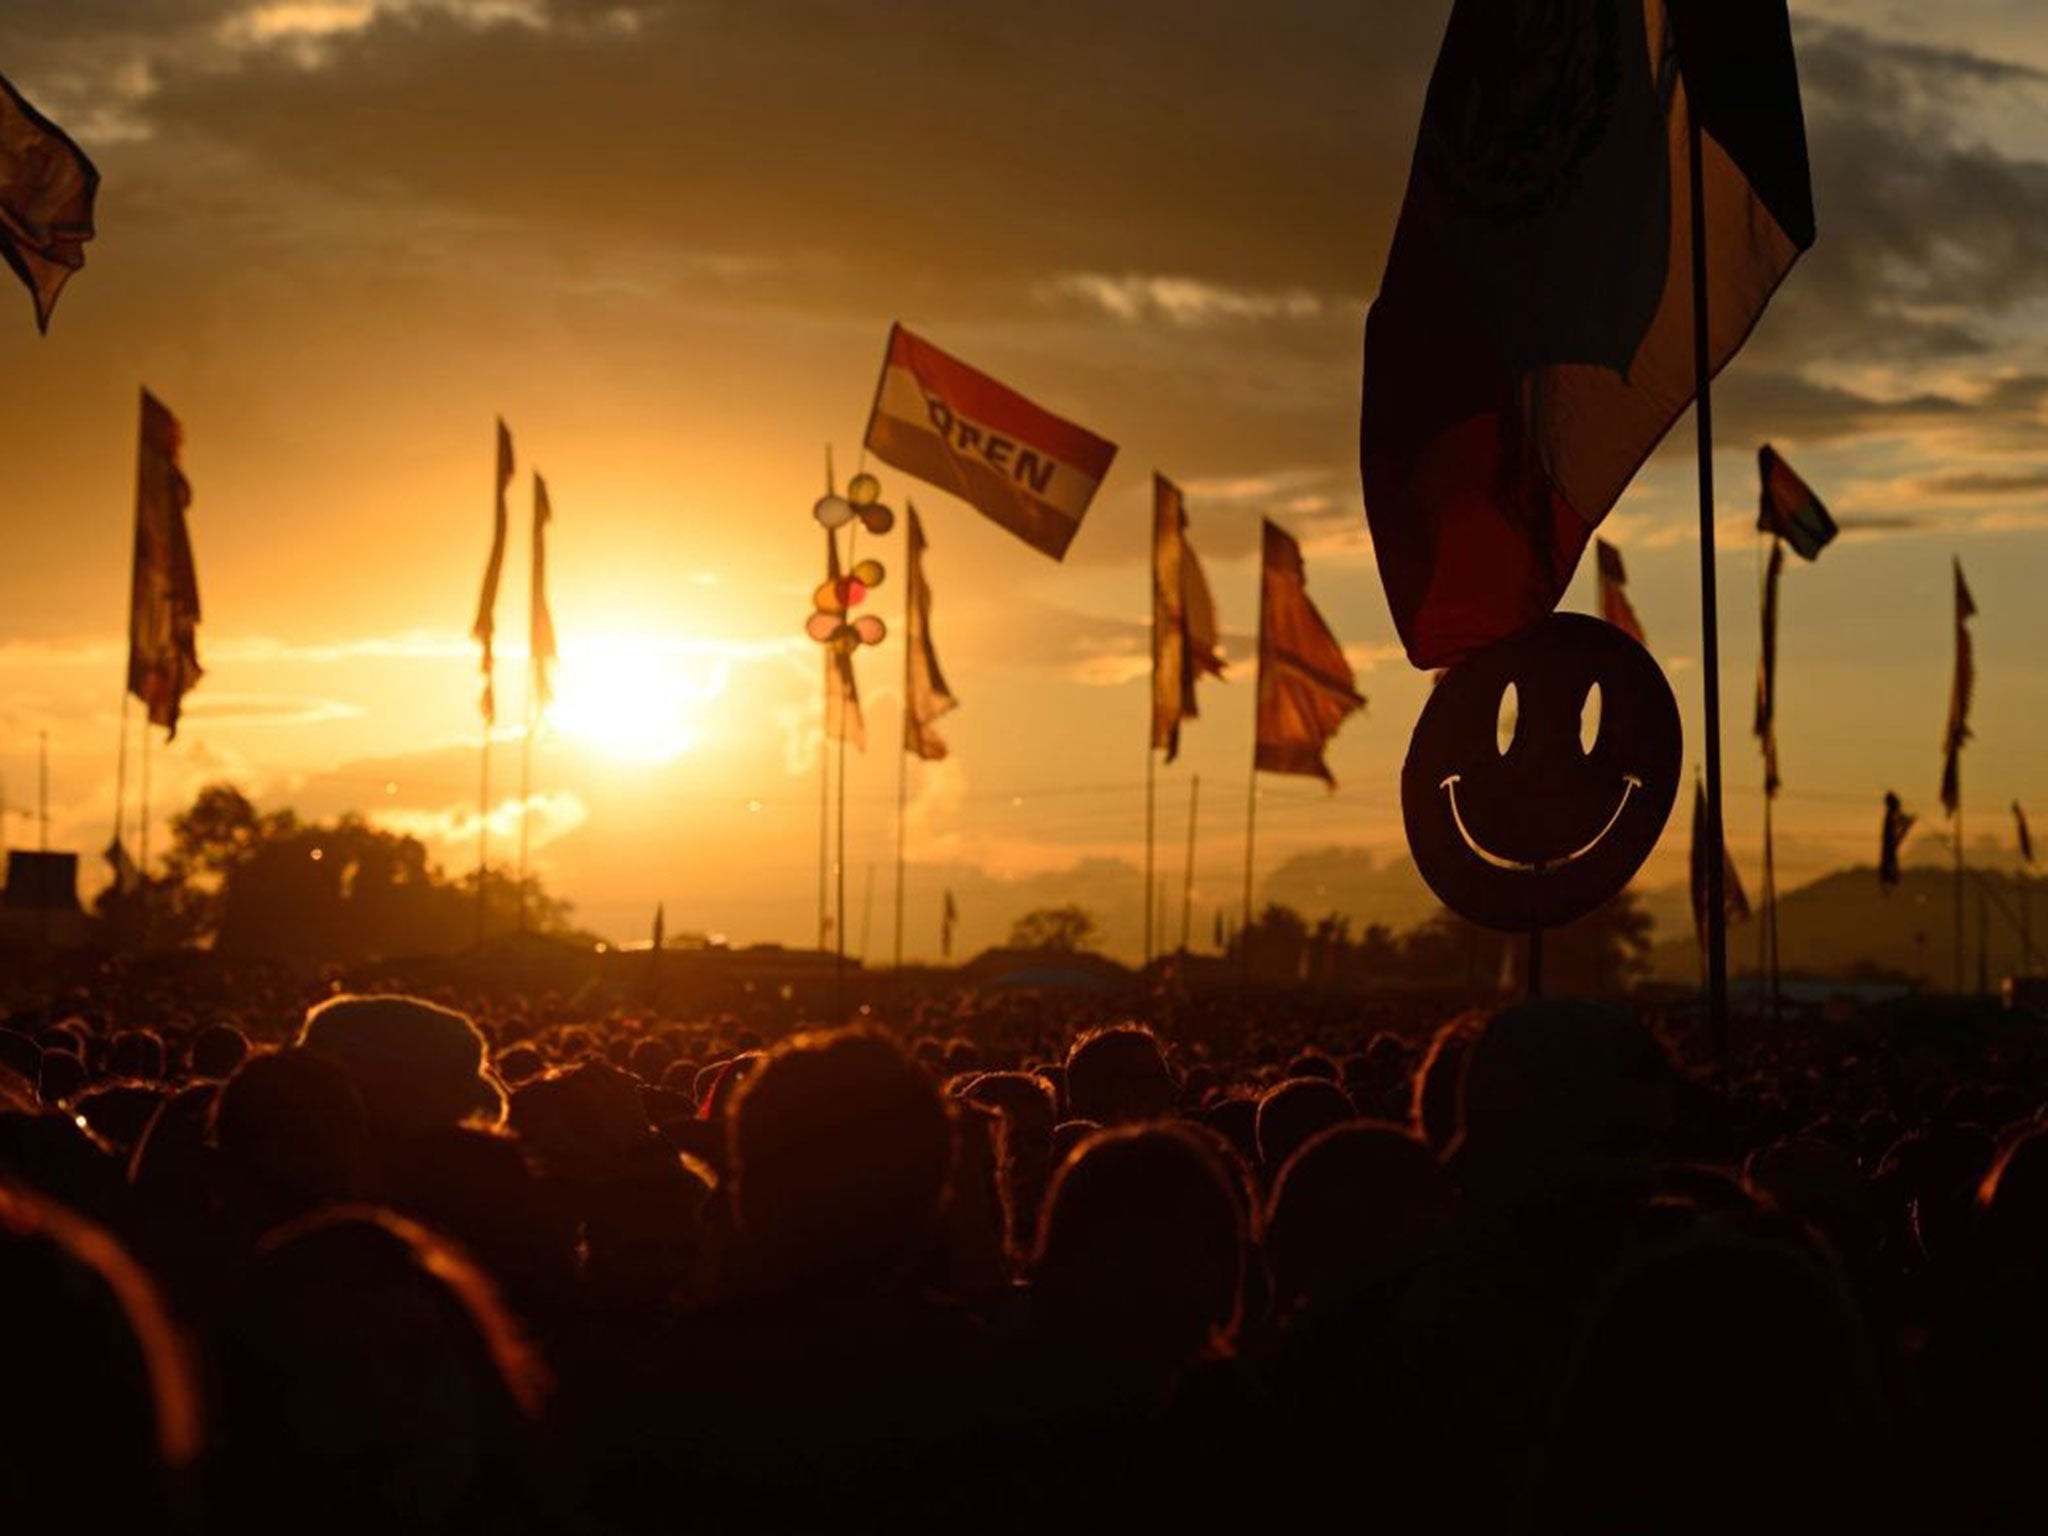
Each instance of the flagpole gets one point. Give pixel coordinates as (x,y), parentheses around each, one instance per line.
(121,779)
(525,795)
(1151,769)
(903,769)
(825,803)
(142,833)
(1251,821)
(483,829)
(1187,887)
(839,861)
(1710,637)
(1956,835)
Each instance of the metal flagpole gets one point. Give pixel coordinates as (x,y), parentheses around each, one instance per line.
(1150,769)
(1251,821)
(825,804)
(867,909)
(121,777)
(839,861)
(903,770)
(1710,636)
(525,794)
(483,829)
(1957,834)
(1187,886)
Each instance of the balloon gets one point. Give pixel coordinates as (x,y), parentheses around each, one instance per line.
(823,627)
(851,592)
(863,490)
(877,519)
(868,573)
(828,599)
(872,631)
(833,511)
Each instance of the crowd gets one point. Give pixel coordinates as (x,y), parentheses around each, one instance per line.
(394,1267)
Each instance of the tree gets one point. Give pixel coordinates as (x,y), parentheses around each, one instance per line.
(1062,930)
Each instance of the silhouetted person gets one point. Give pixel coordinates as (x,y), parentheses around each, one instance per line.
(292,1137)
(1116,1076)
(1291,1112)
(418,1066)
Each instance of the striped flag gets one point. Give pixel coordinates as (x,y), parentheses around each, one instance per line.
(484,630)
(1961,690)
(1185,634)
(47,188)
(1789,510)
(163,593)
(925,694)
(1016,463)
(541,622)
(1306,689)
(1615,607)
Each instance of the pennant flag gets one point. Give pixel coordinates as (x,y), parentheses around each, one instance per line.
(1897,823)
(1615,607)
(1734,901)
(541,635)
(1533,338)
(485,629)
(1789,510)
(1766,723)
(925,694)
(47,187)
(2026,836)
(660,925)
(843,720)
(127,875)
(1185,635)
(163,593)
(947,922)
(1306,689)
(1018,465)
(1960,694)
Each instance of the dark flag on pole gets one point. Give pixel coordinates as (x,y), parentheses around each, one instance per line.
(947,920)
(1961,690)
(163,594)
(1766,723)
(1615,607)
(47,187)
(926,696)
(843,720)
(541,636)
(1898,821)
(485,629)
(1306,689)
(1532,341)
(1789,509)
(2026,836)
(1734,901)
(1185,634)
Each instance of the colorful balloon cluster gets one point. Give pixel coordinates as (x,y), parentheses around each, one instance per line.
(833,623)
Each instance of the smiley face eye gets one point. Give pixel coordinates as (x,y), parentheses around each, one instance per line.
(1509,717)
(1589,721)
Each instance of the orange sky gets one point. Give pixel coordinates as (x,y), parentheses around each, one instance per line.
(666,243)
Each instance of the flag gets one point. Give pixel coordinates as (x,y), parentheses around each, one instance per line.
(1734,902)
(2026,836)
(1615,607)
(485,629)
(1897,823)
(1960,693)
(1532,341)
(1789,510)
(127,876)
(163,593)
(47,187)
(1766,722)
(1184,629)
(925,695)
(843,720)
(1305,685)
(660,925)
(1017,464)
(541,635)
(947,920)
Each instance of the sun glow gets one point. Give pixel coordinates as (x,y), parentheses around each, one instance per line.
(636,698)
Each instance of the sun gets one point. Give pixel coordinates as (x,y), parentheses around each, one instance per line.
(635,698)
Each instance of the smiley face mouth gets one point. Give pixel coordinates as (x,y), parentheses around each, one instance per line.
(1630,784)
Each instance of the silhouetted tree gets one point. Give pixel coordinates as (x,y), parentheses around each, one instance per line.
(1066,930)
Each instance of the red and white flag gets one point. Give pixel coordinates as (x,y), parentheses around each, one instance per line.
(1015,462)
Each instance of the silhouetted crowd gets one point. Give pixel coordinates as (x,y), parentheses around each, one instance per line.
(396,1268)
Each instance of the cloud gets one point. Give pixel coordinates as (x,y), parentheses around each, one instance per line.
(1181,301)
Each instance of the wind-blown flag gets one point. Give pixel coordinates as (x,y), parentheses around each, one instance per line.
(1615,607)
(947,920)
(163,593)
(541,631)
(47,187)
(1898,821)
(1788,508)
(127,874)
(925,694)
(1961,690)
(1017,464)
(1734,901)
(1185,634)
(1532,342)
(1306,690)
(1766,722)
(485,629)
(843,720)
(2026,835)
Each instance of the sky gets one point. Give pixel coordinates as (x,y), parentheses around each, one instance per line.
(666,241)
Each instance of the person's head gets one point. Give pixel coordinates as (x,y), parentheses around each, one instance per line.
(291,1134)
(103,1408)
(416,1064)
(1118,1075)
(2012,1203)
(1439,1080)
(119,1110)
(839,1151)
(136,1053)
(217,1050)
(1359,1204)
(1141,1247)
(1291,1112)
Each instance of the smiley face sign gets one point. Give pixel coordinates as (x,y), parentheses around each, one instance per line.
(1541,774)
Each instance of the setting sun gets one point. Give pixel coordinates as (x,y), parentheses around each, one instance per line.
(638,698)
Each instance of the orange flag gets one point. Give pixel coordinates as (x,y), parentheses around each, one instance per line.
(1306,689)
(1184,629)
(163,595)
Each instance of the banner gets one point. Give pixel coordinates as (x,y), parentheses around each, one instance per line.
(1017,464)
(1788,509)
(47,188)
(484,630)
(925,694)
(1765,724)
(1892,837)
(541,632)
(1532,341)
(1615,607)
(1306,690)
(163,594)
(1961,690)
(1185,634)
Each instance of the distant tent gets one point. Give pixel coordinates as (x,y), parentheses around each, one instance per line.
(42,882)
